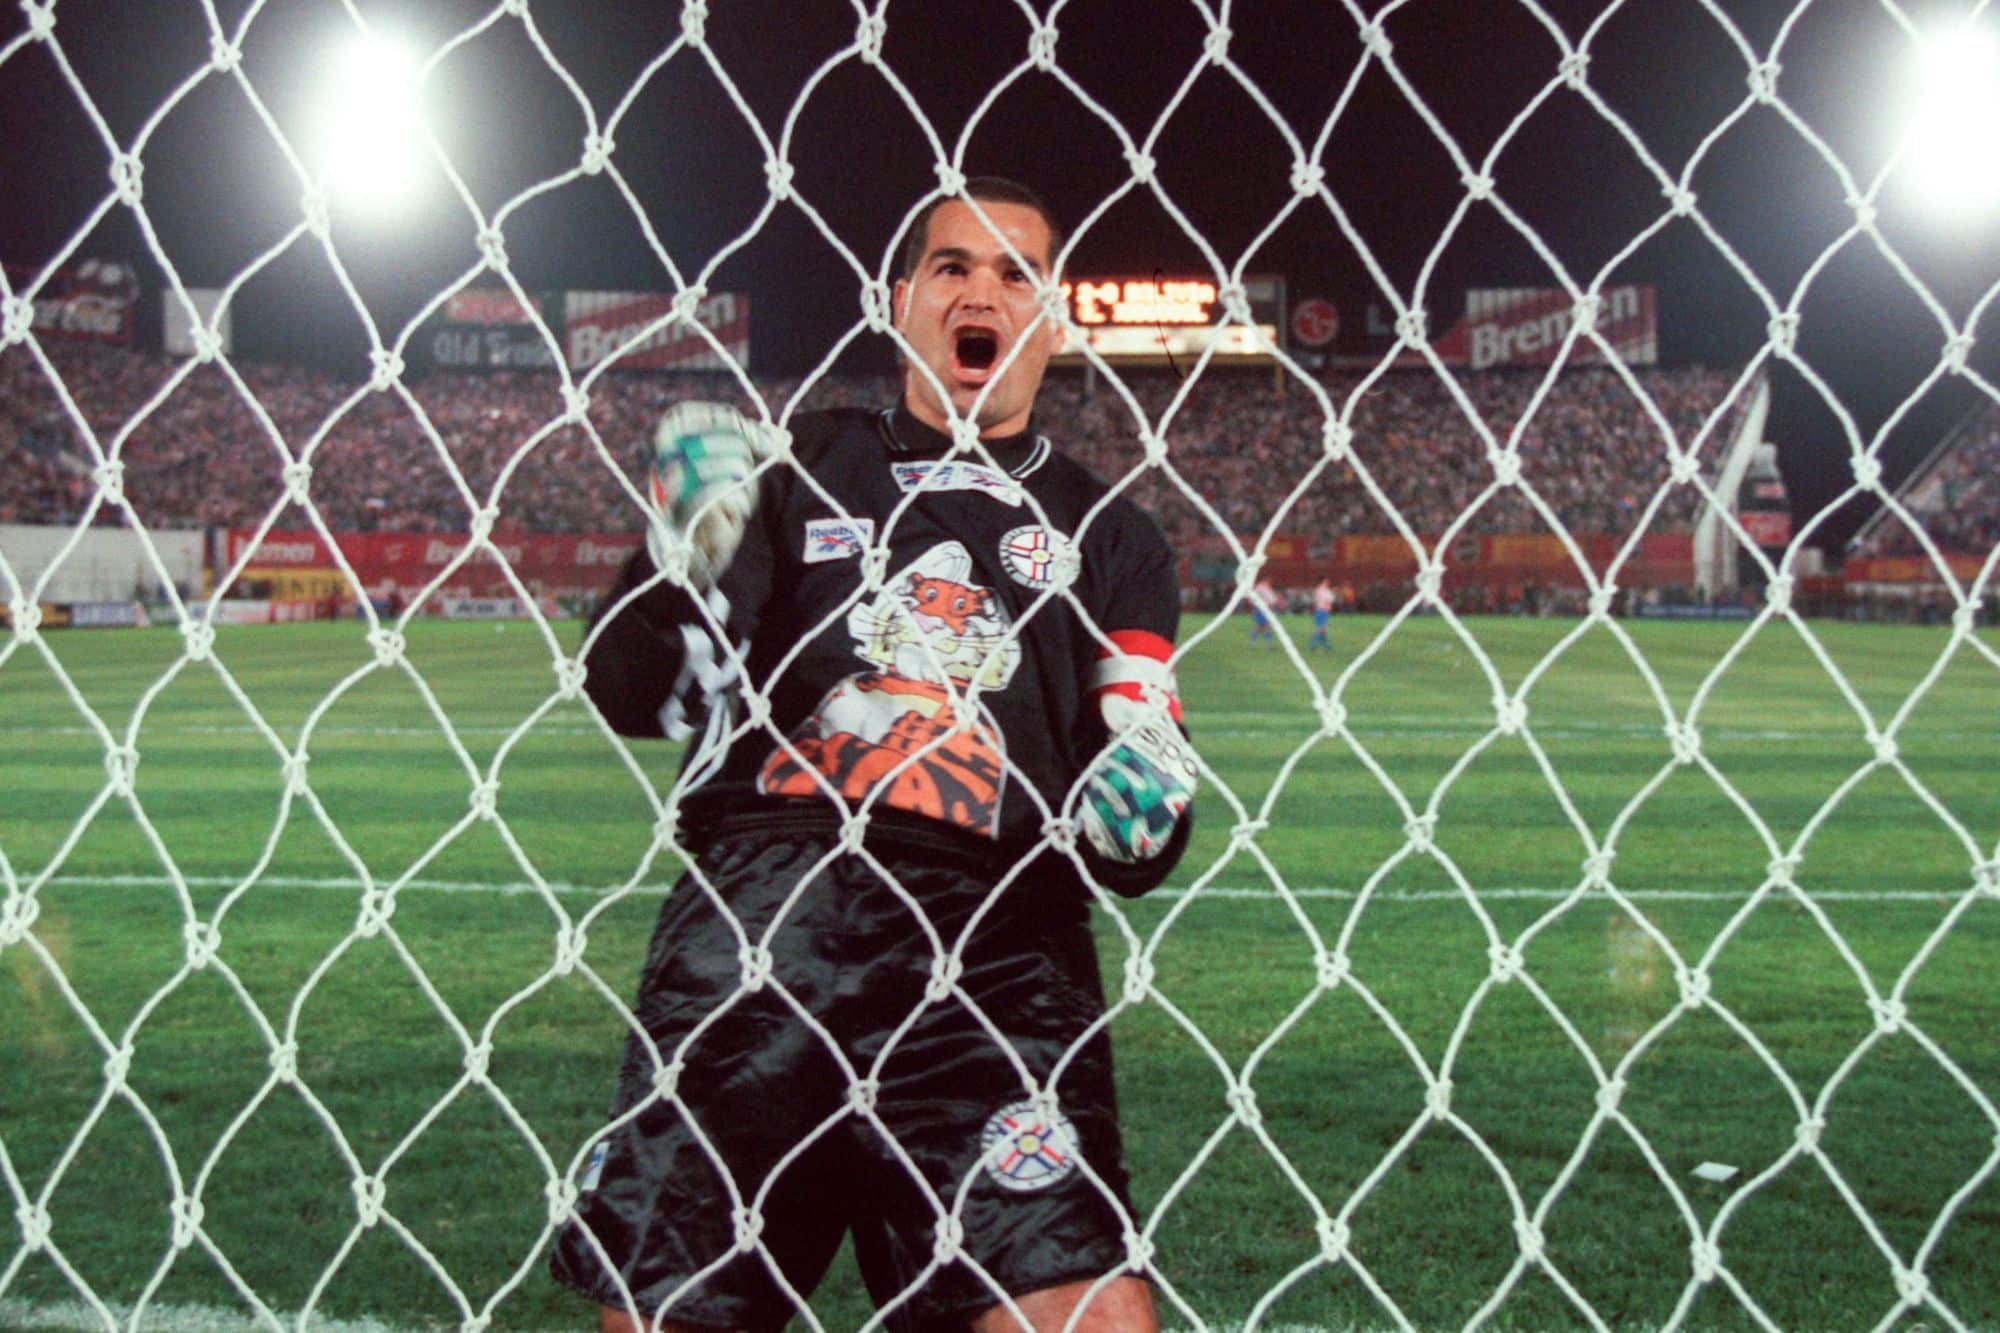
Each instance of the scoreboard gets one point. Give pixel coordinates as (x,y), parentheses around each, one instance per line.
(1134,319)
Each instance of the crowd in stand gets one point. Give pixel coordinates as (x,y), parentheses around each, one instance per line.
(1957,502)
(208,444)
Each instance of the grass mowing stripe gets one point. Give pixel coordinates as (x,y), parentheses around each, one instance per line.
(76,1317)
(1224,891)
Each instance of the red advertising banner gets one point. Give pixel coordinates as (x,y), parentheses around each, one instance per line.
(1493,559)
(96,300)
(600,325)
(554,564)
(1910,569)
(1526,326)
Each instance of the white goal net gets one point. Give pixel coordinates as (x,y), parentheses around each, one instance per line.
(1556,945)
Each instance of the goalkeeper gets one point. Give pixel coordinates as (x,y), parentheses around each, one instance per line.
(932,716)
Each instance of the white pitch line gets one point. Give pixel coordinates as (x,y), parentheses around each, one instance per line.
(77,1317)
(1221,891)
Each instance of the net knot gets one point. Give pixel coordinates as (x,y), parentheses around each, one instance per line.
(207,344)
(1247,831)
(576,403)
(1331,969)
(946,970)
(128,178)
(110,479)
(1867,472)
(862,1094)
(1956,350)
(1410,328)
(297,476)
(1807,1133)
(854,832)
(1683,468)
(1601,600)
(1597,869)
(749,1224)
(1138,978)
(756,961)
(377,907)
(1685,740)
(1964,620)
(25,618)
(1530,1239)
(571,942)
(198,639)
(17,318)
(1864,212)
(1510,715)
(116,1066)
(1215,46)
(1707,1259)
(1693,987)
(1506,466)
(1583,315)
(1478,186)
(1986,879)
(1042,47)
(1885,747)
(1763,81)
(948,1240)
(33,1220)
(1889,1015)
(17,916)
(597,150)
(1506,962)
(778,179)
(570,674)
(1242,1100)
(694,22)
(121,762)
(1780,871)
(1336,439)
(1155,446)
(492,248)
(965,435)
(1060,835)
(478,1323)
(1430,579)
(223,55)
(1333,1238)
(477,1059)
(1307,178)
(312,205)
(1575,69)
(1437,1099)
(1332,716)
(1235,303)
(1912,1286)
(1783,331)
(667,1078)
(1680,199)
(1377,41)
(561,1196)
(868,36)
(202,940)
(1420,830)
(187,1215)
(1138,1252)
(1778,594)
(875,304)
(284,1060)
(480,526)
(484,798)
(387,645)
(1141,164)
(756,709)
(387,367)
(368,1193)
(1247,569)
(1609,1095)
(687,304)
(514,8)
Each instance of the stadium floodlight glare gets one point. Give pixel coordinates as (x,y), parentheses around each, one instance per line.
(369,125)
(1952,154)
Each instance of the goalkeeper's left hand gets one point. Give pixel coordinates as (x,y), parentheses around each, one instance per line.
(1137,792)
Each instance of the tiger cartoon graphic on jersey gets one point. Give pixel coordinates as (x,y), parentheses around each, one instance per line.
(936,641)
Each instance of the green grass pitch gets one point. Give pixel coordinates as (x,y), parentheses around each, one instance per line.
(1428,1191)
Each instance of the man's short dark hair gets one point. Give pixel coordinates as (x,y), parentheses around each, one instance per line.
(988,190)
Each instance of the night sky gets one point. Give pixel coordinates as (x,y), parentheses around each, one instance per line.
(220,195)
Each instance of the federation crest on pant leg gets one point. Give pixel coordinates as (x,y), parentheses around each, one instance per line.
(1023,1149)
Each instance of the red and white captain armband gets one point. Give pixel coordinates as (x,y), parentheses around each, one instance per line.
(1136,791)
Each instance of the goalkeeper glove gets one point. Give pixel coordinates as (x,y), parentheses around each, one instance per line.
(701,482)
(1137,791)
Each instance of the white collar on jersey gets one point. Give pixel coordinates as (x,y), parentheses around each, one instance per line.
(905,434)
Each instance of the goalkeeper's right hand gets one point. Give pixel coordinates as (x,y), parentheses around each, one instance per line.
(701,481)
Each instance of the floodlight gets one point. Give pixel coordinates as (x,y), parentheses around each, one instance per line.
(1951,162)
(370,123)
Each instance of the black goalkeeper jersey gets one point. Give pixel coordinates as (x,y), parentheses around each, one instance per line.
(903,610)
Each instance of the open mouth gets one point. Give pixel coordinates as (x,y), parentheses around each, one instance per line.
(974,350)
